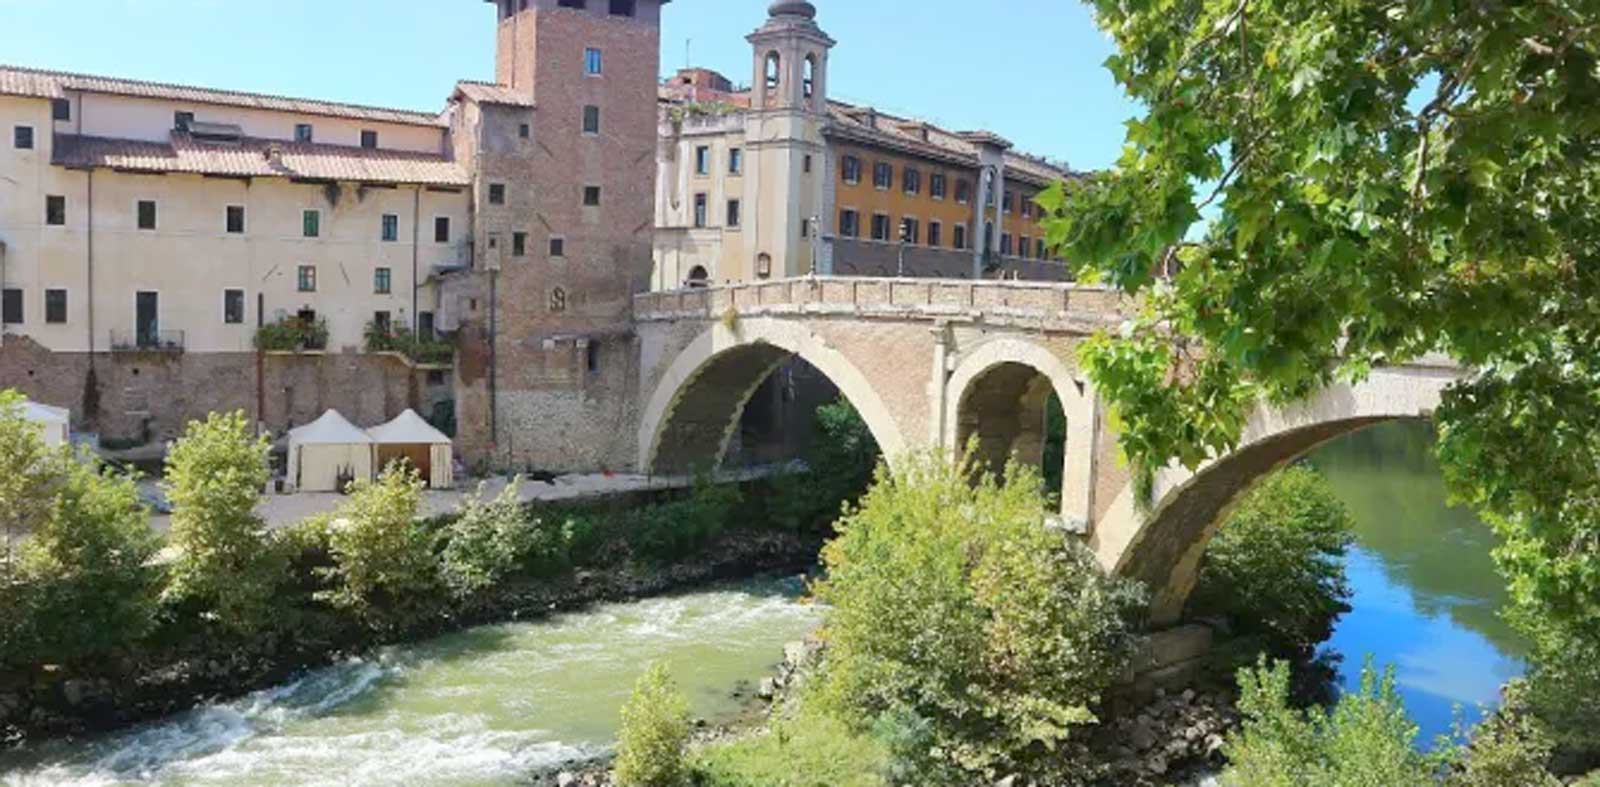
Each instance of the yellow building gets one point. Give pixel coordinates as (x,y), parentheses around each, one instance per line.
(778,180)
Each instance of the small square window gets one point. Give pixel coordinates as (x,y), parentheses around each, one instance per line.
(880,226)
(591,196)
(593,62)
(558,247)
(60,109)
(733,213)
(22,137)
(850,169)
(369,139)
(382,281)
(233,307)
(55,210)
(382,321)
(11,306)
(391,228)
(307,278)
(849,224)
(883,175)
(591,120)
(622,7)
(701,206)
(303,132)
(182,120)
(235,220)
(519,244)
(702,160)
(735,161)
(55,306)
(441,229)
(147,214)
(310,224)
(525,131)
(497,193)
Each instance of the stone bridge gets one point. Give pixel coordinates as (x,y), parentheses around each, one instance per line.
(934,363)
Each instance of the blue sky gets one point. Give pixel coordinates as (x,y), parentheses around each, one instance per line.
(1028,69)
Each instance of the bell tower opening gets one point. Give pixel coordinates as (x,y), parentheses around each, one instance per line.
(791,58)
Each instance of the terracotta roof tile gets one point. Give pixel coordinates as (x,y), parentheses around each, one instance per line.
(486,93)
(18,81)
(253,158)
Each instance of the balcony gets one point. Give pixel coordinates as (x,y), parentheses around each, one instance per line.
(147,341)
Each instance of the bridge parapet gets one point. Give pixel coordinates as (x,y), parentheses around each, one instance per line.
(1070,307)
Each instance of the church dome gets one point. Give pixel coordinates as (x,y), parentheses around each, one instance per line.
(799,8)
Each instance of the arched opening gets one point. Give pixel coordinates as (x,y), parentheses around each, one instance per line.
(698,279)
(808,79)
(772,74)
(1011,412)
(763,266)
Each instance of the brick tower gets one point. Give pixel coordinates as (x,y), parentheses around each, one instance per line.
(562,150)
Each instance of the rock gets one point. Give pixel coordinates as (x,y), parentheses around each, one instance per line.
(768,689)
(1187,696)
(565,779)
(1143,735)
(1213,744)
(1007,781)
(73,691)
(1156,766)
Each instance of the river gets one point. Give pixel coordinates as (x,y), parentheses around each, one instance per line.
(1427,596)
(482,707)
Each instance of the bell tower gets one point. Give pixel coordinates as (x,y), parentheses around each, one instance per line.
(788,181)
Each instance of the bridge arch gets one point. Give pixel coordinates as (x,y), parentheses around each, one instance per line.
(998,393)
(695,407)
(1163,547)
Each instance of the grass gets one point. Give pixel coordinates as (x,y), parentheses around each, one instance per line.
(809,750)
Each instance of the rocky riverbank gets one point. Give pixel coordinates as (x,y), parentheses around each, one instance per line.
(62,702)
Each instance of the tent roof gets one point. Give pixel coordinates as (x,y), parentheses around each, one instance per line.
(330,429)
(408,428)
(33,411)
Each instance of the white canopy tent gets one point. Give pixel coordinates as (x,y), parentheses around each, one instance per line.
(55,423)
(410,437)
(326,449)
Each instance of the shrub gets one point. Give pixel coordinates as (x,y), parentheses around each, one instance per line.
(954,609)
(810,750)
(1563,683)
(655,732)
(384,567)
(490,539)
(1276,567)
(670,531)
(1366,739)
(840,462)
(83,585)
(1509,748)
(215,475)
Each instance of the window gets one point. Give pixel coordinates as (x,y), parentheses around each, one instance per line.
(307,279)
(1038,249)
(935,234)
(883,175)
(519,244)
(880,226)
(233,307)
(1008,202)
(735,161)
(805,228)
(11,306)
(773,71)
(591,355)
(849,224)
(558,247)
(235,220)
(22,137)
(702,160)
(1027,206)
(850,169)
(963,192)
(733,213)
(700,207)
(910,230)
(55,210)
(303,132)
(391,228)
(1024,244)
(425,325)
(382,281)
(958,237)
(591,196)
(1005,243)
(382,321)
(936,185)
(497,193)
(441,229)
(913,181)
(60,109)
(593,62)
(578,4)
(622,7)
(806,165)
(369,139)
(764,265)
(591,120)
(808,77)
(182,120)
(524,131)
(558,299)
(55,306)
(310,224)
(147,214)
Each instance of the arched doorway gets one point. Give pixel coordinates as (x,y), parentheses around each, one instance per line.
(698,278)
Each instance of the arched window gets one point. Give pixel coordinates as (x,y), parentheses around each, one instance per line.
(698,278)
(558,300)
(808,82)
(774,71)
(764,265)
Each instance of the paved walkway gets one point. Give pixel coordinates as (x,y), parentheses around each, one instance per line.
(283,510)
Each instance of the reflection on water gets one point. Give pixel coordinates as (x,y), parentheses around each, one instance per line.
(486,706)
(1427,597)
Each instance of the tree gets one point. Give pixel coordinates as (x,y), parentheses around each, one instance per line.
(215,475)
(655,733)
(957,618)
(384,568)
(1388,179)
(28,469)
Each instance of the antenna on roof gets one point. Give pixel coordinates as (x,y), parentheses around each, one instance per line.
(688,62)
